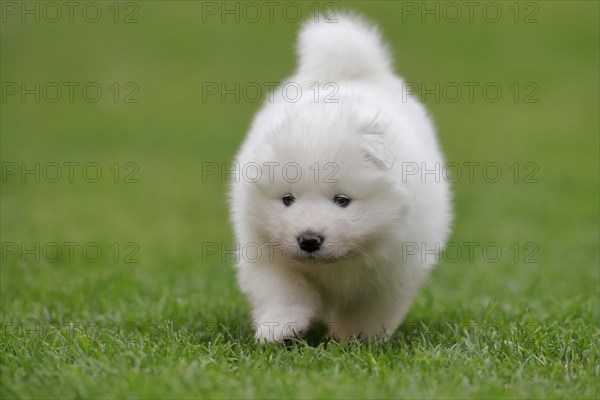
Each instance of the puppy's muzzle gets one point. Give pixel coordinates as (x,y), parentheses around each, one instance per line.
(310,241)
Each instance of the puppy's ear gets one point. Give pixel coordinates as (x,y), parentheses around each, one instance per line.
(374,143)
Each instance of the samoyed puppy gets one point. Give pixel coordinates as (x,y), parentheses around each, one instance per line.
(334,217)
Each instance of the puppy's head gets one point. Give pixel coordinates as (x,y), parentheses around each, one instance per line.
(326,191)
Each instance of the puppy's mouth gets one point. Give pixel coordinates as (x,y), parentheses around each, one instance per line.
(315,257)
(291,252)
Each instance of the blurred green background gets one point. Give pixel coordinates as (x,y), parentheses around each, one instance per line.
(162,58)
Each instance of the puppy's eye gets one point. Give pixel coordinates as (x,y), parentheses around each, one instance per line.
(288,199)
(341,200)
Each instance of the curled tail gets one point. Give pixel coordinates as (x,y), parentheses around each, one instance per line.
(350,48)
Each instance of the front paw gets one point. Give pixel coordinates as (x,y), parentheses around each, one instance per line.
(278,327)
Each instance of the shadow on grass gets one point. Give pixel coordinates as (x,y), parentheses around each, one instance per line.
(233,325)
(238,330)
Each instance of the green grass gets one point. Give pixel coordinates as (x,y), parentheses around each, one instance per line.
(173,324)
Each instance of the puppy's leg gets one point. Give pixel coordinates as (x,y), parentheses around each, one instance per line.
(375,318)
(283,304)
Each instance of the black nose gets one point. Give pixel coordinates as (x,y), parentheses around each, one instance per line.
(310,241)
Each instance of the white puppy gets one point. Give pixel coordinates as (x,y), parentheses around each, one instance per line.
(334,218)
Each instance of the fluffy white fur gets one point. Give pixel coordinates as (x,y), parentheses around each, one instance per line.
(360,282)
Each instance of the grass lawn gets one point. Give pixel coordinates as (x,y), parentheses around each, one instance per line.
(111,286)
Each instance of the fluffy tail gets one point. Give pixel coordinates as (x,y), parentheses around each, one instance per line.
(350,48)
